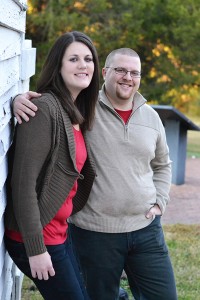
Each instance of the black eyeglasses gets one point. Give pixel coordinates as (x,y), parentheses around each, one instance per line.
(123,72)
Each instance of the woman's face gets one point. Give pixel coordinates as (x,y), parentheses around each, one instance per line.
(77,68)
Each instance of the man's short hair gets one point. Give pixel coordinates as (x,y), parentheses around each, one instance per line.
(123,51)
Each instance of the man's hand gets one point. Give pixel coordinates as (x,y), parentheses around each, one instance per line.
(41,266)
(22,106)
(154,211)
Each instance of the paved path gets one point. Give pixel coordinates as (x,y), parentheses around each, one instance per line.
(184,207)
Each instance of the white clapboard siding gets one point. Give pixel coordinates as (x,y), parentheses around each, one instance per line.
(17,65)
(13,14)
(9,73)
(7,275)
(2,208)
(11,45)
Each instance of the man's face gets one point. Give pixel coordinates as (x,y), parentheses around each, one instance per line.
(120,88)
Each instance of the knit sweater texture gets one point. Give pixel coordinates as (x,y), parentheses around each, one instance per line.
(133,168)
(44,172)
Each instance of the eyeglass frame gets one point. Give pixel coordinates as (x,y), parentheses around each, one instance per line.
(138,75)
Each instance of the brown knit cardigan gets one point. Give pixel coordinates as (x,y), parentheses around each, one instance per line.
(44,172)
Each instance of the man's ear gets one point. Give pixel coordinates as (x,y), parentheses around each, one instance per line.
(104,73)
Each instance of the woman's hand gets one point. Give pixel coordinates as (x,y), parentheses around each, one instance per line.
(22,106)
(41,266)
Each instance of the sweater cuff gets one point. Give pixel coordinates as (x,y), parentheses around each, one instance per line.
(13,99)
(34,245)
(162,205)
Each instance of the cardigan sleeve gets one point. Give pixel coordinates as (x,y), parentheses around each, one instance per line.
(33,143)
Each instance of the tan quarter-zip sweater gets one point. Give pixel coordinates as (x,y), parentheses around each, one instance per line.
(133,168)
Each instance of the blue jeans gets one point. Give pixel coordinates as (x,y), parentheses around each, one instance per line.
(67,284)
(143,255)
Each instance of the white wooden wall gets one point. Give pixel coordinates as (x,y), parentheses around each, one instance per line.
(17,65)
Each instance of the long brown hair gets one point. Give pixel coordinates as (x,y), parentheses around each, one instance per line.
(82,110)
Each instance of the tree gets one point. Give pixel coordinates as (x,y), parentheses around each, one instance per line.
(165,33)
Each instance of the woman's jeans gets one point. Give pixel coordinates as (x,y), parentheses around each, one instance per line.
(67,284)
(143,254)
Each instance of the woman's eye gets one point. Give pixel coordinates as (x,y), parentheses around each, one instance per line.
(73,59)
(88,59)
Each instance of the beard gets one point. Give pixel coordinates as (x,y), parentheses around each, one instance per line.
(124,95)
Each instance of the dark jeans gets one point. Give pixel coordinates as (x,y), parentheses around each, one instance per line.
(143,255)
(67,284)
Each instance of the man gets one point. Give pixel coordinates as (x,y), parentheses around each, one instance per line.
(119,227)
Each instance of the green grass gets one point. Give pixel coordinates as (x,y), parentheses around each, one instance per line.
(29,291)
(184,246)
(193,144)
(193,140)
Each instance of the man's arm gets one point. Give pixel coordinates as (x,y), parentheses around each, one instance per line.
(22,106)
(161,166)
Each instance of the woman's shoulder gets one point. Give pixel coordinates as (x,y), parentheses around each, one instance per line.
(47,102)
(45,98)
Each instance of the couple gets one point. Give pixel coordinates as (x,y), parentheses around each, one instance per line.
(56,154)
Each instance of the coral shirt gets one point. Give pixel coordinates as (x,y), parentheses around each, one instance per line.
(55,232)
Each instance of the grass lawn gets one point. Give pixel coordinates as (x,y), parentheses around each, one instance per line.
(184,247)
(193,144)
(193,140)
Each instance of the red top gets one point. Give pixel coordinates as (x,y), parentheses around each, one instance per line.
(124,114)
(55,232)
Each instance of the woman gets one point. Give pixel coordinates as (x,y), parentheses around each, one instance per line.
(52,166)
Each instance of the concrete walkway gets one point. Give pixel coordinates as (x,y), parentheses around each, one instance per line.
(184,207)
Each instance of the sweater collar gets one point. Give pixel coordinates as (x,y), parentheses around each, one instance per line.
(67,127)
